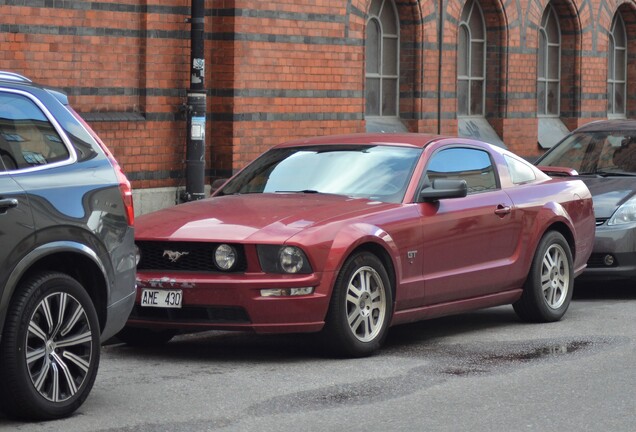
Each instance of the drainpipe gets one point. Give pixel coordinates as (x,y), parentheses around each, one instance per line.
(440,35)
(196,108)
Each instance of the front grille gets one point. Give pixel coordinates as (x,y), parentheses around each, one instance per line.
(195,256)
(597,260)
(186,314)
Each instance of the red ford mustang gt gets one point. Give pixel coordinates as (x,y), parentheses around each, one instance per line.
(348,235)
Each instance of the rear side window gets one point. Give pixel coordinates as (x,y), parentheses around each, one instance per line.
(27,138)
(468,164)
(520,172)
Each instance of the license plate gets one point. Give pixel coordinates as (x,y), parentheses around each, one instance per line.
(161,298)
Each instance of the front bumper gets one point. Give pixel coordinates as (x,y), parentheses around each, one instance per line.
(617,242)
(234,302)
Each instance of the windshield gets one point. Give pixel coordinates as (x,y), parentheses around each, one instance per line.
(377,172)
(595,153)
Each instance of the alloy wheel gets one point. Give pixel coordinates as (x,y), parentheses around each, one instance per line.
(366,303)
(555,276)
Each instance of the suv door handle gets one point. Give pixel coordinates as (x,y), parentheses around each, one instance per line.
(502,210)
(7,203)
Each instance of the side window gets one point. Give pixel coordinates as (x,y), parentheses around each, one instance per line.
(468,164)
(27,138)
(520,172)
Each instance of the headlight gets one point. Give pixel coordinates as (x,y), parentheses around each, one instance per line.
(626,213)
(225,257)
(283,259)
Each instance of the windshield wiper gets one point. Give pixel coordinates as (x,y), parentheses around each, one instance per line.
(606,173)
(304,191)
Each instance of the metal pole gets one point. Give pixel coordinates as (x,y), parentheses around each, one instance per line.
(196,102)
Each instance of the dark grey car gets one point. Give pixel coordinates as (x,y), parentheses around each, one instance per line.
(67,263)
(603,155)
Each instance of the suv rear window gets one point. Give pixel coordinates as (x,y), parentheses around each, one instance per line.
(27,137)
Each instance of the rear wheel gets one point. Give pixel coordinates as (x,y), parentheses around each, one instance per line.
(548,290)
(360,307)
(50,348)
(137,336)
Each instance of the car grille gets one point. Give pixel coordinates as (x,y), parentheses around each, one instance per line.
(195,256)
(207,315)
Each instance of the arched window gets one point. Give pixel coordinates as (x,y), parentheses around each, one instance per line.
(382,55)
(471,61)
(617,69)
(549,67)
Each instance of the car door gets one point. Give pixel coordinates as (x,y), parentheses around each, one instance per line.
(468,242)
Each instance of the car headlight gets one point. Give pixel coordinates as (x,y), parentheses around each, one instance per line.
(137,255)
(626,213)
(283,259)
(225,257)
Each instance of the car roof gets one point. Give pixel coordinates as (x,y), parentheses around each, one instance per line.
(608,126)
(416,140)
(17,81)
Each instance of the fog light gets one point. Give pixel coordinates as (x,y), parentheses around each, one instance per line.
(608,260)
(286,292)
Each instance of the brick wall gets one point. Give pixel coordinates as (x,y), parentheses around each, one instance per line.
(284,69)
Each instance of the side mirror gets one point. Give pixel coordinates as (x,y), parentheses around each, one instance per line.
(444,188)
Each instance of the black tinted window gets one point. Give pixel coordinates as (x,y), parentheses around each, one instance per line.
(468,164)
(27,138)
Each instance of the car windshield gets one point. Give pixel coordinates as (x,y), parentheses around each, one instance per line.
(378,172)
(601,153)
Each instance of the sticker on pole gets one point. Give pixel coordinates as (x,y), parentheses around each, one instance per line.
(197,129)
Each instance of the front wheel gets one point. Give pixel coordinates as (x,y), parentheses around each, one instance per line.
(548,289)
(50,348)
(360,307)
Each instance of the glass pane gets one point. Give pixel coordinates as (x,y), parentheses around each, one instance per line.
(389,97)
(620,65)
(462,52)
(462,97)
(543,43)
(375,7)
(619,102)
(619,32)
(553,62)
(541,95)
(610,98)
(466,11)
(373,96)
(553,98)
(610,61)
(477,60)
(373,47)
(476,98)
(390,58)
(552,28)
(476,24)
(388,20)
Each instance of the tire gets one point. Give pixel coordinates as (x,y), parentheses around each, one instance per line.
(136,336)
(50,348)
(548,289)
(359,313)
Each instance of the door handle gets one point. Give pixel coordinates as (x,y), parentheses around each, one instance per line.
(502,210)
(7,203)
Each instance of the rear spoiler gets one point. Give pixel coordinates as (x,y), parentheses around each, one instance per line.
(554,171)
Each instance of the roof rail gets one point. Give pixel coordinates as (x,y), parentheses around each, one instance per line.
(12,76)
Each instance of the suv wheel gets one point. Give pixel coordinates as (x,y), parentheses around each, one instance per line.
(50,348)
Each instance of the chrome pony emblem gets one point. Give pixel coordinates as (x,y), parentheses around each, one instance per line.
(174,256)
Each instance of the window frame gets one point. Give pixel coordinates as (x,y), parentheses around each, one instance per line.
(549,13)
(464,25)
(381,76)
(72,158)
(611,80)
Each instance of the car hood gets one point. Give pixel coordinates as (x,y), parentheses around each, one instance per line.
(609,193)
(257,217)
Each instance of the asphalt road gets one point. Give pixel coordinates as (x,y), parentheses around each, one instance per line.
(483,371)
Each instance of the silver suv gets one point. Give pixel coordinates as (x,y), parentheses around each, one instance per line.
(67,261)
